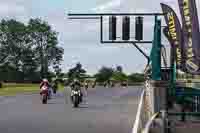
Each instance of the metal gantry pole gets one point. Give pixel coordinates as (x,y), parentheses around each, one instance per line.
(113,14)
(101,29)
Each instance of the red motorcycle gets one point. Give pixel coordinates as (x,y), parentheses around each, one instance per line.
(44,94)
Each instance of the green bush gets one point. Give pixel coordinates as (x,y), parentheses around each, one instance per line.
(136,77)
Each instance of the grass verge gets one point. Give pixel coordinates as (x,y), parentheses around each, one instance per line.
(12,89)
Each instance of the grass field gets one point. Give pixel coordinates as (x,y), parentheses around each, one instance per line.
(12,89)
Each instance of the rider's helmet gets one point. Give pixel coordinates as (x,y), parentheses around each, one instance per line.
(45,80)
(75,80)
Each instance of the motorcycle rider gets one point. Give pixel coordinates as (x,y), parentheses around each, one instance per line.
(94,84)
(73,85)
(44,82)
(86,85)
(55,86)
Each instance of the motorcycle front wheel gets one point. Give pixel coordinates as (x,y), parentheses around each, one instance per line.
(76,101)
(44,99)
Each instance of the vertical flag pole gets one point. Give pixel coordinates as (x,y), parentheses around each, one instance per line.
(156,51)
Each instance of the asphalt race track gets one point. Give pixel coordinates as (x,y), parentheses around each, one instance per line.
(108,110)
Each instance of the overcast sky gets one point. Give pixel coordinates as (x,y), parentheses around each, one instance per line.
(80,39)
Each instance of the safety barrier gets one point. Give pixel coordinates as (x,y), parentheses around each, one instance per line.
(152,100)
(137,126)
(145,109)
(150,123)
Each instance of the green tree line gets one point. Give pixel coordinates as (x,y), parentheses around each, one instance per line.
(27,51)
(104,74)
(117,74)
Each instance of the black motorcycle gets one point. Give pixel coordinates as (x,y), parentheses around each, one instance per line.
(76,96)
(55,88)
(49,93)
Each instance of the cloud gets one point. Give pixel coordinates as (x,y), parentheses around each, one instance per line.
(169,1)
(10,9)
(108,6)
